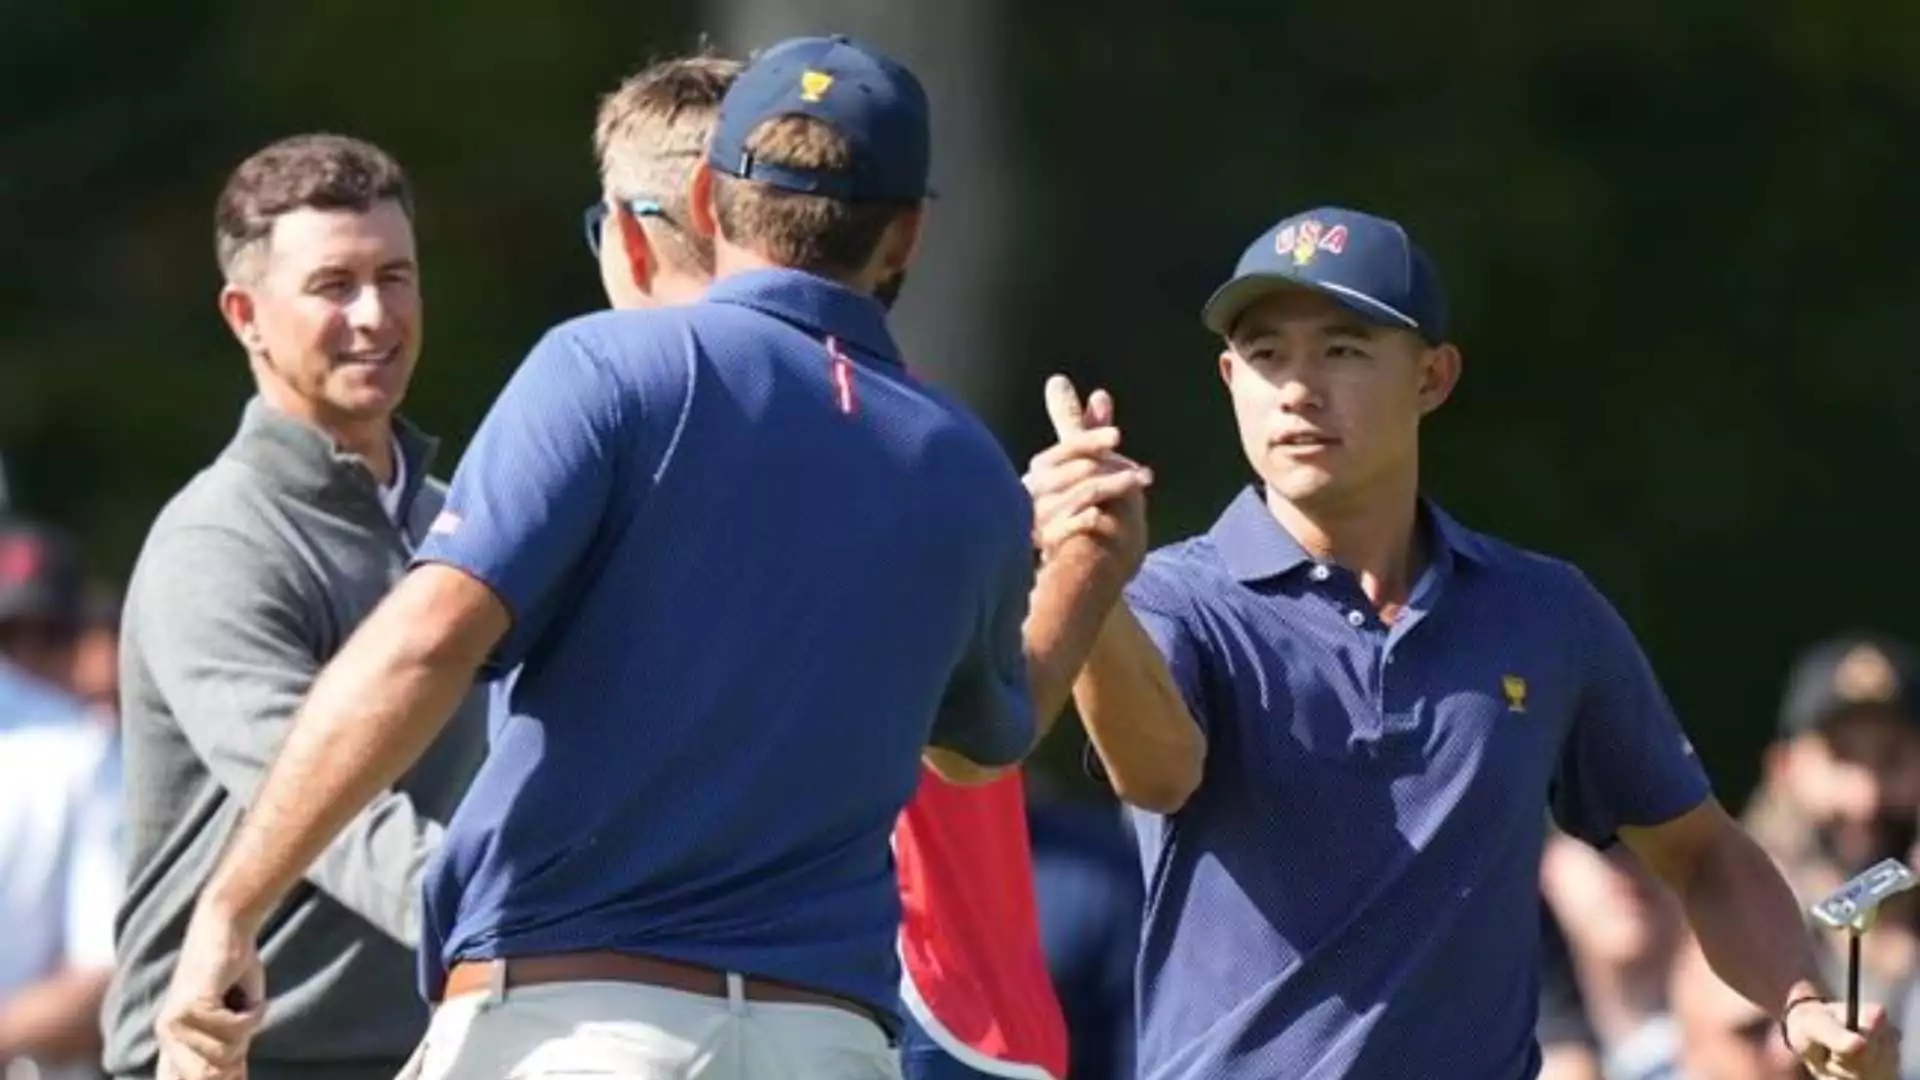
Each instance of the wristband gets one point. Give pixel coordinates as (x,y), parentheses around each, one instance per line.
(1804,999)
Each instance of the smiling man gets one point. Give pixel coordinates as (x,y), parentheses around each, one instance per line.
(250,580)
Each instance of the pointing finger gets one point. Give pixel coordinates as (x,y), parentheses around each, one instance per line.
(1063,406)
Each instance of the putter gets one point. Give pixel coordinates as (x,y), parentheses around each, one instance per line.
(1853,909)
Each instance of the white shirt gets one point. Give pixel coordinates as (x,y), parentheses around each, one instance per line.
(60,857)
(390,493)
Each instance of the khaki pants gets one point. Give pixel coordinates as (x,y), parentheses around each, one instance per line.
(625,1030)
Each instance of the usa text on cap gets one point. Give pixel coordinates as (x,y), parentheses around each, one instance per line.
(1367,264)
(871,100)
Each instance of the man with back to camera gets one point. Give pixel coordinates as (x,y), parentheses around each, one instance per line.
(1338,714)
(976,996)
(249,580)
(747,570)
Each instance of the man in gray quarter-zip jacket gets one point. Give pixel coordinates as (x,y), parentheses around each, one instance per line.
(249,580)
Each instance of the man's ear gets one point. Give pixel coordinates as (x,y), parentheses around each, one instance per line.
(702,216)
(237,309)
(1439,374)
(1227,360)
(907,227)
(1776,760)
(642,263)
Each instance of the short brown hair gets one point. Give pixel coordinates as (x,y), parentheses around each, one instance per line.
(816,233)
(322,171)
(651,134)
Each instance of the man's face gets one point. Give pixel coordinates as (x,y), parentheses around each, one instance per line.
(335,307)
(1327,404)
(1857,780)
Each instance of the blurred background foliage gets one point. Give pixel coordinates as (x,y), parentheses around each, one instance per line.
(1676,236)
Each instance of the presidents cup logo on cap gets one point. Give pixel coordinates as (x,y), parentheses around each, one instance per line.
(869,99)
(813,84)
(1304,240)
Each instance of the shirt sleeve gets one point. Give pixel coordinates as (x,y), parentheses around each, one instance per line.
(1626,760)
(1162,611)
(987,715)
(1160,607)
(233,643)
(530,494)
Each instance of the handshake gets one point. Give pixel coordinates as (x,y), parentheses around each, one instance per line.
(1089,501)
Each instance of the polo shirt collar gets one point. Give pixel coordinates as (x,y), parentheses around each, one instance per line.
(1455,537)
(826,308)
(299,455)
(1255,547)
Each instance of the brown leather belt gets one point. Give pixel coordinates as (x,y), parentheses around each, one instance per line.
(476,976)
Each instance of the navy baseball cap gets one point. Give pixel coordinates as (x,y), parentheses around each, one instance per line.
(876,104)
(1367,264)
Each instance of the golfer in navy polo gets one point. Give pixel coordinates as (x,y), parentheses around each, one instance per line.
(744,570)
(1340,717)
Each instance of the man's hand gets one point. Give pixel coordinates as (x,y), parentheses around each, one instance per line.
(1817,1031)
(202,1036)
(1084,492)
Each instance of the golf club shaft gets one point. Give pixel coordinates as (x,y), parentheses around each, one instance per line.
(1853,981)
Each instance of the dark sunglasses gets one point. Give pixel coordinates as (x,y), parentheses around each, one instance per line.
(595,218)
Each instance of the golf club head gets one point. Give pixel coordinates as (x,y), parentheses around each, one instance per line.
(1853,906)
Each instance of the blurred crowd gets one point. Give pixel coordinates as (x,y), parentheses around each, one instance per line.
(1627,994)
(1624,993)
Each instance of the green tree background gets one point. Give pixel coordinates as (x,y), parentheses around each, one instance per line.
(1678,238)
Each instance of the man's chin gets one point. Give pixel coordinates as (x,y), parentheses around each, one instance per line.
(368,397)
(1305,486)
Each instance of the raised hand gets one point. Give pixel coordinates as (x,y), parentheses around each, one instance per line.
(1084,491)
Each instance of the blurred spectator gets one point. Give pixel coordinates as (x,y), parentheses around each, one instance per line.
(1723,1036)
(1841,785)
(59,867)
(1622,928)
(1087,877)
(40,599)
(1840,791)
(1569,1049)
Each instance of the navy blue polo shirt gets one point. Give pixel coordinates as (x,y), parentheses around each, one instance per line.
(1353,890)
(754,568)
